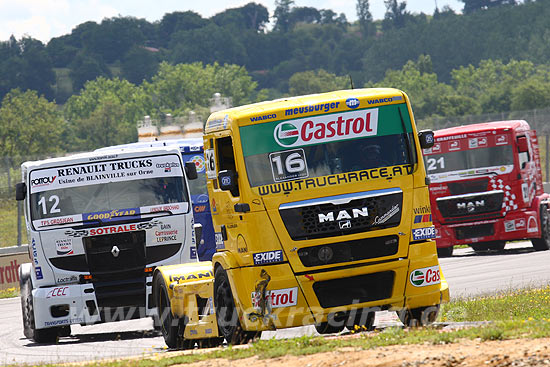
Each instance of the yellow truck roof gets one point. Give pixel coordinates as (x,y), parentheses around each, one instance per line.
(301,106)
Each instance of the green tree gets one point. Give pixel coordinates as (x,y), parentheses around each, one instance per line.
(531,94)
(309,82)
(25,64)
(428,96)
(471,6)
(492,82)
(105,113)
(282,15)
(177,88)
(29,125)
(139,64)
(209,44)
(396,14)
(178,21)
(365,18)
(87,67)
(251,16)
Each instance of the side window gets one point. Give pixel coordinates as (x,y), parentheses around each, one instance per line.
(226,159)
(524,157)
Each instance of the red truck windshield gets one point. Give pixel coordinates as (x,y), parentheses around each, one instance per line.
(470,159)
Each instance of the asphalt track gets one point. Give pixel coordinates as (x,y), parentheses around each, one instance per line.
(468,274)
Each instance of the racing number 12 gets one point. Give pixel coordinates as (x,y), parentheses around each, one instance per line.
(53,208)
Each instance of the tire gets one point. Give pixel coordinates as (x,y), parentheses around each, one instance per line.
(42,336)
(226,311)
(421,316)
(497,245)
(332,325)
(543,243)
(210,343)
(64,331)
(169,325)
(362,320)
(479,247)
(326,328)
(445,251)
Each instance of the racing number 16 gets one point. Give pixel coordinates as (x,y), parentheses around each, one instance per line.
(287,165)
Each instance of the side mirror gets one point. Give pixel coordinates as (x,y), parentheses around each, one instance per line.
(523,145)
(226,180)
(191,171)
(198,234)
(20,191)
(426,138)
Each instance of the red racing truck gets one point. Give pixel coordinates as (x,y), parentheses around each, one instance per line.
(486,187)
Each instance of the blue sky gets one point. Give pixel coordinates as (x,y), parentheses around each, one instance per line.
(44,19)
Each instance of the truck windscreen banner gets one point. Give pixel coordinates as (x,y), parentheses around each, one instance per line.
(103,172)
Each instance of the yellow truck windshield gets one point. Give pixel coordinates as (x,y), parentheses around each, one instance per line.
(322,145)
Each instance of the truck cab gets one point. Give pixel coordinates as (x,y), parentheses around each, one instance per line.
(98,224)
(312,201)
(486,187)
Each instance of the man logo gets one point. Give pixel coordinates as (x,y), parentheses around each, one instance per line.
(286,134)
(345,224)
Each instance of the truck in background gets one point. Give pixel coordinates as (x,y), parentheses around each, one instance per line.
(313,201)
(191,150)
(98,224)
(486,187)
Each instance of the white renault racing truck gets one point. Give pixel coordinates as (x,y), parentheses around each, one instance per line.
(98,224)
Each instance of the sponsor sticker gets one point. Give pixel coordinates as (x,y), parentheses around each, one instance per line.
(201,199)
(38,272)
(64,246)
(509,226)
(326,128)
(277,298)
(454,145)
(192,252)
(352,103)
(425,276)
(219,240)
(199,163)
(385,217)
(422,218)
(268,257)
(423,233)
(58,292)
(110,215)
(501,140)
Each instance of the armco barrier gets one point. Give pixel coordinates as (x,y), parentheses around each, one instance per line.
(10,260)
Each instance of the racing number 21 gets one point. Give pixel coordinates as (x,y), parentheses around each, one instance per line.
(53,208)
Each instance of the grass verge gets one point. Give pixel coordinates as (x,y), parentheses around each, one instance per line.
(515,314)
(9,293)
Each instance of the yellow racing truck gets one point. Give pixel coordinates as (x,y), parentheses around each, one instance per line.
(321,210)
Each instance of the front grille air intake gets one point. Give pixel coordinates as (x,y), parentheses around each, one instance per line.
(342,214)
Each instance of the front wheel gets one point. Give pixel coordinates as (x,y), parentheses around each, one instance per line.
(226,311)
(445,251)
(421,316)
(168,324)
(543,243)
(29,329)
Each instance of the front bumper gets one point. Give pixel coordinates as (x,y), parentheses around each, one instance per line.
(514,226)
(69,304)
